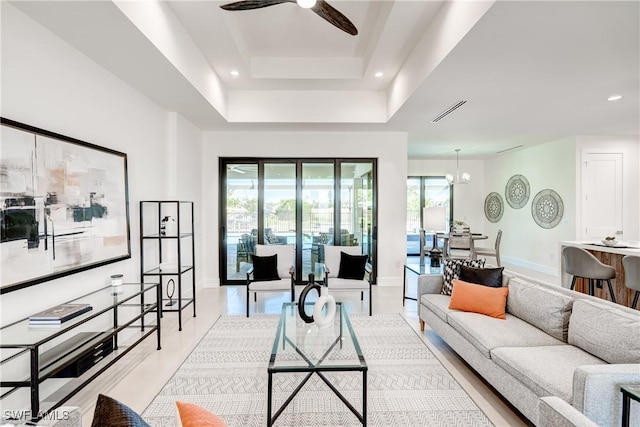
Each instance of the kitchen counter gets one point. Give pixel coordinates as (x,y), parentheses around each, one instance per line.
(622,248)
(610,255)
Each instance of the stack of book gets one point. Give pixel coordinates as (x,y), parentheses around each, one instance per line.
(59,314)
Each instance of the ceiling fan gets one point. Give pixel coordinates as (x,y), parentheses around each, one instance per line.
(320,7)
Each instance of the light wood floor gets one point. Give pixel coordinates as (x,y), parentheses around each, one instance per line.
(140,375)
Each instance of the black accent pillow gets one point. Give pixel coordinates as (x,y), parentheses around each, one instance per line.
(450,271)
(352,266)
(265,268)
(109,413)
(491,277)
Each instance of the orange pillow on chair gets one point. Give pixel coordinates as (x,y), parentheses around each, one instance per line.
(479,299)
(191,415)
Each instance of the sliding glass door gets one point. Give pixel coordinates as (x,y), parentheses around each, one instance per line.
(310,203)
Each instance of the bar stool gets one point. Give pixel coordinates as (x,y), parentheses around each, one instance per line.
(631,264)
(582,264)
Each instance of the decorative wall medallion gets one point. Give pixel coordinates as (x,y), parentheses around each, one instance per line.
(493,207)
(547,208)
(517,191)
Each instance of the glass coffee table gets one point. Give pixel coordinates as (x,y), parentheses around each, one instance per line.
(301,347)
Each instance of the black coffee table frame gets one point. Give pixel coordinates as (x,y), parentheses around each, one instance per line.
(315,367)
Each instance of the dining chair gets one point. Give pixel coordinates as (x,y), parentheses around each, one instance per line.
(460,246)
(490,252)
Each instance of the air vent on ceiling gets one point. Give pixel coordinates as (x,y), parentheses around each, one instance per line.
(448,111)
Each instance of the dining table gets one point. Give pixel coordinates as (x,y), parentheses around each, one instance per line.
(445,238)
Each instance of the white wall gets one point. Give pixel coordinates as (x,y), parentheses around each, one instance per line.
(389,148)
(546,166)
(50,85)
(630,149)
(468,199)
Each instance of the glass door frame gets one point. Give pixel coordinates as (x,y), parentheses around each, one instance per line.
(260,162)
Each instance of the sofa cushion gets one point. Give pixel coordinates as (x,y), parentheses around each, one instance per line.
(605,332)
(487,333)
(479,299)
(450,271)
(438,304)
(543,308)
(482,276)
(547,370)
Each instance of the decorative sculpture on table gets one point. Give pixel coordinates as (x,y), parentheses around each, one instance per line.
(319,317)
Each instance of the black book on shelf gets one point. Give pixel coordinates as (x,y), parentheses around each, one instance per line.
(59,314)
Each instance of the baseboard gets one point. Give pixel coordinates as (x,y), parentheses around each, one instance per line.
(211,283)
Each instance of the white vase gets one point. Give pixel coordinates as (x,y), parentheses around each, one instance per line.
(321,318)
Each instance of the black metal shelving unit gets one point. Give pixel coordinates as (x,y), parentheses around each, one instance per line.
(167,252)
(55,362)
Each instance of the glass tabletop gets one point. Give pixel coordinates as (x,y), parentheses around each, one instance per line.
(633,390)
(304,347)
(423,269)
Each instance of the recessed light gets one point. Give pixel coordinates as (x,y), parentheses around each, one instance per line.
(235,73)
(614,97)
(379,74)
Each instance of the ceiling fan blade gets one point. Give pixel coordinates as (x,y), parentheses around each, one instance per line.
(333,16)
(253,4)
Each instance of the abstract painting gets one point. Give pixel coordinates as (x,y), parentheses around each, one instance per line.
(63,206)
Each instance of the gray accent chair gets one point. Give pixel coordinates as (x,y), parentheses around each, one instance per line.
(631,264)
(490,252)
(582,264)
(286,257)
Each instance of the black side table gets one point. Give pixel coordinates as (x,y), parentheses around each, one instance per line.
(629,391)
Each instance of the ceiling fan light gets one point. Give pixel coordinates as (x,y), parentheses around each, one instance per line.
(306,4)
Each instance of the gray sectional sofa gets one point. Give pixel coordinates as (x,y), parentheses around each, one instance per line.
(559,357)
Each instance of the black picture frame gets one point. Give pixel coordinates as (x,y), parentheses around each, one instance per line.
(64,206)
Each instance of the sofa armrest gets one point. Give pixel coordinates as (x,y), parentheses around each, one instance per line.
(429,284)
(555,412)
(596,391)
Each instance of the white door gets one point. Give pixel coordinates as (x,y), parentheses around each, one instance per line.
(601,195)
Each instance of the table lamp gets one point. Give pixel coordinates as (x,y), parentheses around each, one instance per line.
(434,220)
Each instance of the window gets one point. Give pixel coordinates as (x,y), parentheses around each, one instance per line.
(425,191)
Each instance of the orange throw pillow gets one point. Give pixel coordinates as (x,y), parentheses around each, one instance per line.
(192,415)
(479,299)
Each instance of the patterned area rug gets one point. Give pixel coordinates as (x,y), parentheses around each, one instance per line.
(227,374)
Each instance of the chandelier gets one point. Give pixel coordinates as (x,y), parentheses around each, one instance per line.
(458,178)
